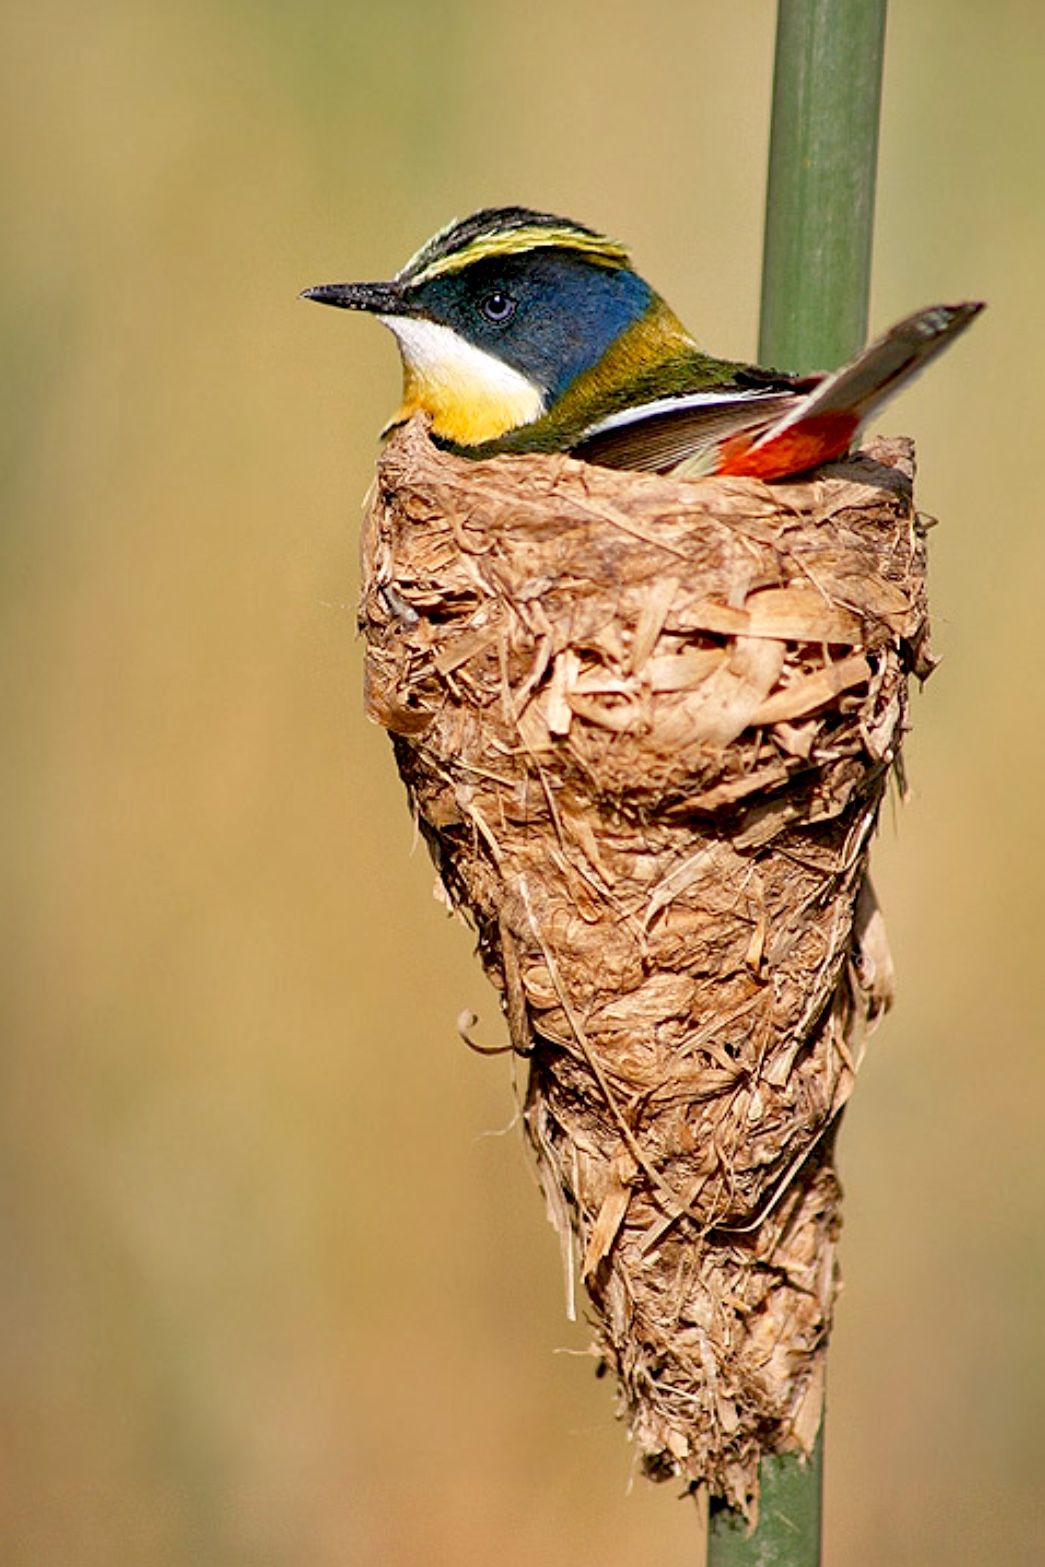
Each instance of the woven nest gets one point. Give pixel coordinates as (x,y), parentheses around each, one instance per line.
(646,725)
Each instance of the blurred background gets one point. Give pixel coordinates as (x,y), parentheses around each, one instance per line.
(277,1284)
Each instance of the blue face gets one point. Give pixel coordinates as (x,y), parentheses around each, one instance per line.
(548,313)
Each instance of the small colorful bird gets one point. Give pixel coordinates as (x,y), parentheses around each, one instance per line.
(524,332)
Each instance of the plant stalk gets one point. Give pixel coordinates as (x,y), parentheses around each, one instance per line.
(823,153)
(788,1531)
(816,275)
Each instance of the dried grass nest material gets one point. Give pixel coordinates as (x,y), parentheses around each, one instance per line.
(646,725)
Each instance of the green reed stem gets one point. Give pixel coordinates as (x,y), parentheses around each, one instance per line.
(816,274)
(823,153)
(788,1532)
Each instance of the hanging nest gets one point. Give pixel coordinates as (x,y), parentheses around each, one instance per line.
(646,725)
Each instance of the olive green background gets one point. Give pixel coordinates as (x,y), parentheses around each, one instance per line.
(277,1285)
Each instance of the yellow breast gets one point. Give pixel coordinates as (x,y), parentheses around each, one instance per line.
(471,396)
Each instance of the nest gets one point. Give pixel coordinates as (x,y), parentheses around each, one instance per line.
(646,725)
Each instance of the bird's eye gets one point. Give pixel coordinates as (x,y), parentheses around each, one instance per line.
(498,307)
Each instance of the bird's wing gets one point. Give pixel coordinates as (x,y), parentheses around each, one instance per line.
(657,436)
(773,432)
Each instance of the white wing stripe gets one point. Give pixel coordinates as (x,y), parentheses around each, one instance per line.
(678,404)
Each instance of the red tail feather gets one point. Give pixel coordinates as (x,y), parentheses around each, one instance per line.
(801,446)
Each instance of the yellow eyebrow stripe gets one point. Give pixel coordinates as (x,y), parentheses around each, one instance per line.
(602,252)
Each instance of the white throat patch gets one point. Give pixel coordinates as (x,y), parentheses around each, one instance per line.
(472,396)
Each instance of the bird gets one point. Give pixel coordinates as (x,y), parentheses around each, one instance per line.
(522,332)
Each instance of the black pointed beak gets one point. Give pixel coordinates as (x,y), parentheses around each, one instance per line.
(378,299)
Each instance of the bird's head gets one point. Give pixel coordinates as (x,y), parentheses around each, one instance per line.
(498,316)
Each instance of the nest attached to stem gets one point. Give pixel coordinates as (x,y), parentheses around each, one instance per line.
(646,725)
